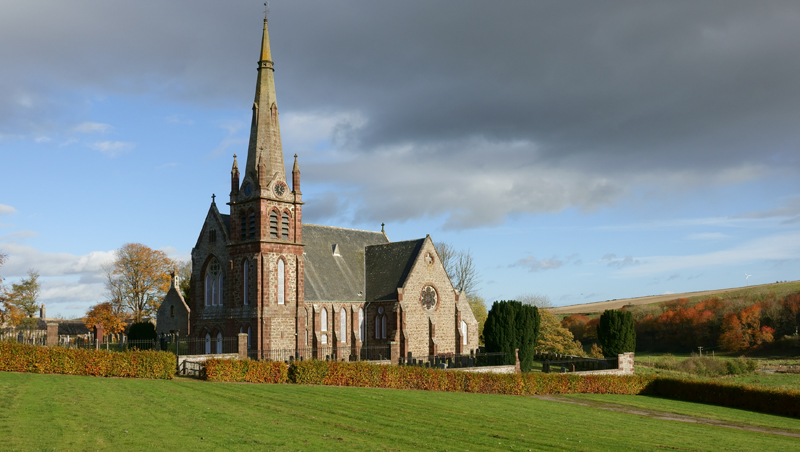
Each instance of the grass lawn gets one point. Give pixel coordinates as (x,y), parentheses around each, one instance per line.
(85,413)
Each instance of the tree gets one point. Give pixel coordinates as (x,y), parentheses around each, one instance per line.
(108,315)
(534,299)
(616,332)
(459,267)
(138,279)
(185,279)
(478,306)
(576,324)
(511,325)
(23,298)
(555,338)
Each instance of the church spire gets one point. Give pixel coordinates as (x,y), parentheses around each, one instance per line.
(265,152)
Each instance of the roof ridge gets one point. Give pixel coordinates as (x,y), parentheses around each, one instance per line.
(337,227)
(397,243)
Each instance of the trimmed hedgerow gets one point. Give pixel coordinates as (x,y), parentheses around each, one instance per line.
(15,357)
(765,400)
(411,377)
(245,371)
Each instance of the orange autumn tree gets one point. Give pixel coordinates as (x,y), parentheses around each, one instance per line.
(138,279)
(743,329)
(576,324)
(107,315)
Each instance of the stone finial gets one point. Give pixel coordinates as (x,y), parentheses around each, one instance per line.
(383,229)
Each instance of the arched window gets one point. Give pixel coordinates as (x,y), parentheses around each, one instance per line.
(324,320)
(252,225)
(285,226)
(377,327)
(243,226)
(463,333)
(219,343)
(306,312)
(248,337)
(273,224)
(361,331)
(383,327)
(208,344)
(306,337)
(172,311)
(343,325)
(219,289)
(281,282)
(246,282)
(213,283)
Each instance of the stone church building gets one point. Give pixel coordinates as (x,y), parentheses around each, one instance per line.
(302,289)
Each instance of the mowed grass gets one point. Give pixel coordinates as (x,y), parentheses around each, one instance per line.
(84,413)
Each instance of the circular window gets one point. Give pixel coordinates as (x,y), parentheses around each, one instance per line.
(428,297)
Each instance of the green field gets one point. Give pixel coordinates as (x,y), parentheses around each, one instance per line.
(84,413)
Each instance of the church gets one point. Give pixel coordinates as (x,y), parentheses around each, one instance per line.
(305,290)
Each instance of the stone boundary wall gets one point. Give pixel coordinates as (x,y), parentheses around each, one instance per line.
(201,358)
(626,367)
(510,369)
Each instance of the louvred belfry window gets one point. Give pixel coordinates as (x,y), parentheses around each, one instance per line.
(273,224)
(285,226)
(252,225)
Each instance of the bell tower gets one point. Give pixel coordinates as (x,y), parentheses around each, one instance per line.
(266,250)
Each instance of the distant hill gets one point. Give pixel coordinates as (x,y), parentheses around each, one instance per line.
(600,306)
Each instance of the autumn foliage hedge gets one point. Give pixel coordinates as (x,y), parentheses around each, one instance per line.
(15,357)
(363,374)
(245,371)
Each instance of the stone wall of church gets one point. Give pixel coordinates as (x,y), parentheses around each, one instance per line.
(280,320)
(211,243)
(441,319)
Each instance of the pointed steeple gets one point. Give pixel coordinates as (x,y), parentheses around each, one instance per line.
(265,152)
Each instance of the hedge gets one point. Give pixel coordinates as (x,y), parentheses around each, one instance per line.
(16,357)
(765,400)
(245,371)
(363,374)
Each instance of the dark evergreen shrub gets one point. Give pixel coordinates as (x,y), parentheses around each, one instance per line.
(511,325)
(142,331)
(616,332)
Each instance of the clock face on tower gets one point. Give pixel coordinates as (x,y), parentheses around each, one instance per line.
(279,188)
(248,189)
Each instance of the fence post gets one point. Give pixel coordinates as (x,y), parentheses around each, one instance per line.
(52,334)
(517,367)
(242,345)
(394,352)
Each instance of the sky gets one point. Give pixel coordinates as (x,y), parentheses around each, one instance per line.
(585,151)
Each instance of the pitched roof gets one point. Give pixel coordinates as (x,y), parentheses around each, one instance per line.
(226,222)
(336,277)
(387,267)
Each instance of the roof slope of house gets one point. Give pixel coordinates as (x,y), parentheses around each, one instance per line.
(387,267)
(334,262)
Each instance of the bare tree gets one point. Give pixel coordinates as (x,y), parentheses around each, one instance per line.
(535,299)
(460,267)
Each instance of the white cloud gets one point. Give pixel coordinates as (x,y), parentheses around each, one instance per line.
(535,265)
(19,235)
(232,128)
(775,247)
(112,148)
(7,210)
(23,257)
(93,127)
(179,119)
(611,260)
(42,139)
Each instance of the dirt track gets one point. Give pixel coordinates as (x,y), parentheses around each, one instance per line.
(600,306)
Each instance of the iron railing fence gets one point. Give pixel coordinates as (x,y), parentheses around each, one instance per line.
(579,364)
(201,346)
(457,360)
(326,353)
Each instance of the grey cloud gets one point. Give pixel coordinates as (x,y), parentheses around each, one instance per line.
(535,265)
(611,260)
(570,104)
(790,209)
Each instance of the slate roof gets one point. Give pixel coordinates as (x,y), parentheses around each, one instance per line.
(336,278)
(226,221)
(388,267)
(73,327)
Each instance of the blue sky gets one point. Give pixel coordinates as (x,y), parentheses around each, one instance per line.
(584,152)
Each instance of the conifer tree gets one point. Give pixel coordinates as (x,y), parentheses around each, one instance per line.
(511,325)
(616,332)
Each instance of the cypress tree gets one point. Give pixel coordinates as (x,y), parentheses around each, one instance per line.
(511,325)
(616,332)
